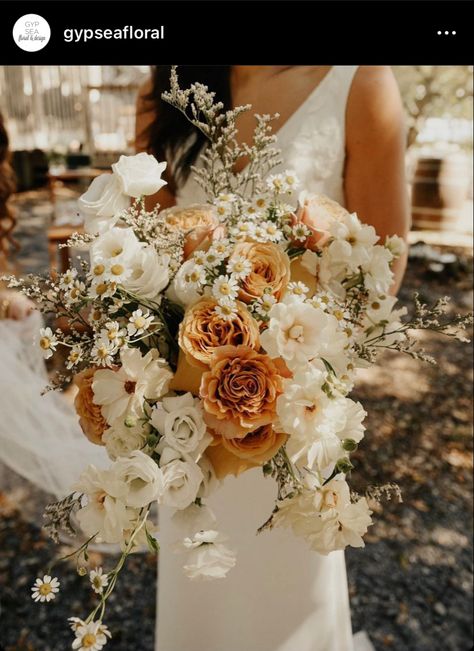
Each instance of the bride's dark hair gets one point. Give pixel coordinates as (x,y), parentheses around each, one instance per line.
(170,136)
(7,187)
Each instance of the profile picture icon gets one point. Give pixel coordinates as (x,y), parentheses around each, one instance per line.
(31,32)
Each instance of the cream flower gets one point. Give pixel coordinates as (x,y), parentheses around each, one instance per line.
(121,392)
(90,637)
(182,478)
(45,589)
(116,246)
(139,175)
(98,580)
(149,273)
(141,479)
(122,439)
(187,283)
(207,557)
(102,203)
(48,342)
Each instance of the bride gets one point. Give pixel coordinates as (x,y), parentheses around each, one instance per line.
(340,129)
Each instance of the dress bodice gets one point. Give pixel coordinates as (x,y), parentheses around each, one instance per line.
(312,140)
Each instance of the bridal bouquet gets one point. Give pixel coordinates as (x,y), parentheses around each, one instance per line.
(208,339)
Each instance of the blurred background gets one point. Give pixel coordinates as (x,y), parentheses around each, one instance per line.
(411,588)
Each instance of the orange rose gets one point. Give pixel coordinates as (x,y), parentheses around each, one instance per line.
(270,269)
(203,330)
(198,222)
(316,212)
(90,415)
(240,390)
(233,456)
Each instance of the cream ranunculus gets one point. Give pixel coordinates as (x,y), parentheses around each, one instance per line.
(179,419)
(102,203)
(149,273)
(141,477)
(139,175)
(182,479)
(121,392)
(326,517)
(208,558)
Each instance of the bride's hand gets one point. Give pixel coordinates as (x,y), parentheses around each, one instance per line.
(15,305)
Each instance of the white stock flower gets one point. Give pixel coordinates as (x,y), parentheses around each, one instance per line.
(192,519)
(105,514)
(396,245)
(182,479)
(102,204)
(120,440)
(115,247)
(149,273)
(122,392)
(378,275)
(141,479)
(353,241)
(98,580)
(325,517)
(90,637)
(207,557)
(299,332)
(180,420)
(139,175)
(45,589)
(184,288)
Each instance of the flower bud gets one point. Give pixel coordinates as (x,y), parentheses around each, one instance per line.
(349,445)
(344,465)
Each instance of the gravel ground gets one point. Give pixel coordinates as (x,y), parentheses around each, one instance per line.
(411,587)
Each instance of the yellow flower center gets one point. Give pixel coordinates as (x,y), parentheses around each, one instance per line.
(96,315)
(117,269)
(338,314)
(45,589)
(88,640)
(139,322)
(101,289)
(298,291)
(221,210)
(271,229)
(45,343)
(97,582)
(102,352)
(194,277)
(225,289)
(351,239)
(375,305)
(73,356)
(260,203)
(117,252)
(98,269)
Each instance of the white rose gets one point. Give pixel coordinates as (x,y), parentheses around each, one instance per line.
(102,203)
(105,512)
(180,421)
(207,558)
(140,174)
(182,291)
(210,482)
(149,273)
(182,478)
(141,477)
(120,440)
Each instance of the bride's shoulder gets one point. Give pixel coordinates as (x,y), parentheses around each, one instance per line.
(374,95)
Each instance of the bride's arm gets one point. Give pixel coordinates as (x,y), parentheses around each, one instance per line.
(375,183)
(145,115)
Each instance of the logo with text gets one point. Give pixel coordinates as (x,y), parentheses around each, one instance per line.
(31,32)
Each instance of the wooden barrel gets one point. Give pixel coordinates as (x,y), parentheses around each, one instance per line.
(439,192)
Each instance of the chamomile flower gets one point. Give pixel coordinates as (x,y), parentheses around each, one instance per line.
(91,637)
(242,230)
(324,300)
(98,580)
(226,311)
(75,622)
(104,289)
(97,272)
(139,322)
(318,303)
(264,304)
(74,357)
(291,181)
(221,248)
(225,288)
(103,352)
(66,279)
(76,291)
(117,272)
(45,589)
(261,203)
(272,232)
(341,314)
(300,232)
(48,342)
(298,289)
(213,258)
(114,333)
(196,276)
(239,267)
(199,257)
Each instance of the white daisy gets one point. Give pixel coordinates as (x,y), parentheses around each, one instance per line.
(298,289)
(213,258)
(139,322)
(104,289)
(114,333)
(196,276)
(221,249)
(66,279)
(300,232)
(239,267)
(291,180)
(74,357)
(227,311)
(45,589)
(75,622)
(103,352)
(225,288)
(199,257)
(76,291)
(48,342)
(243,230)
(91,637)
(264,304)
(98,580)
(97,272)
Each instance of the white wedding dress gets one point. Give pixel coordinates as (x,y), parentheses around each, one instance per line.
(280,596)
(40,438)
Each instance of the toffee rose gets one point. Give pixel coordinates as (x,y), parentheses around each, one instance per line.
(203,330)
(234,456)
(91,420)
(316,212)
(270,270)
(197,221)
(240,390)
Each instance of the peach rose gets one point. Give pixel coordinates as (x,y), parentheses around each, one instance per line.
(240,390)
(316,212)
(90,415)
(198,222)
(270,269)
(203,330)
(233,456)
